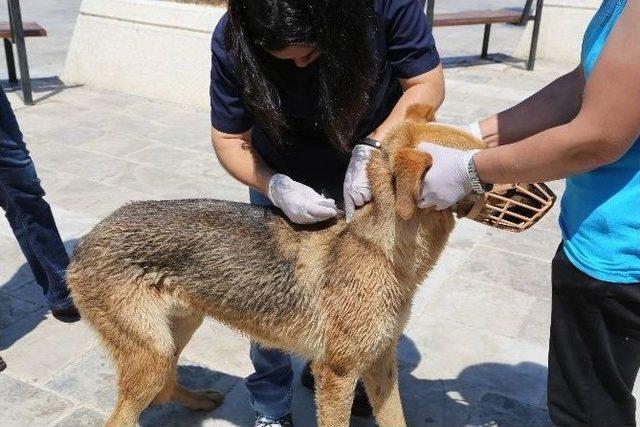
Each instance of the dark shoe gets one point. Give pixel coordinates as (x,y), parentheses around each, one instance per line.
(285,421)
(360,408)
(67,315)
(3,365)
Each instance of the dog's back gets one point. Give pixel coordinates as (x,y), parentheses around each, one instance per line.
(206,252)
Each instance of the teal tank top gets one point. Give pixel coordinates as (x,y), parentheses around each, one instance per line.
(600,214)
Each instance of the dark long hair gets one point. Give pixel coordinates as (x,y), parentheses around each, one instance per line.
(343,32)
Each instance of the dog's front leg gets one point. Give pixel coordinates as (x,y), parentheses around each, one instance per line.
(381,383)
(334,394)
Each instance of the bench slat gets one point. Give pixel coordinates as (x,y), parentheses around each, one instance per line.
(31,29)
(478,17)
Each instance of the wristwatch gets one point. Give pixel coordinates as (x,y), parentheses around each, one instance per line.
(370,142)
(478,186)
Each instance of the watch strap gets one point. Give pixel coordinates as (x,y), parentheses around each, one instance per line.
(370,142)
(478,186)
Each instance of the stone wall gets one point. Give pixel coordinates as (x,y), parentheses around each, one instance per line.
(156,49)
(563,25)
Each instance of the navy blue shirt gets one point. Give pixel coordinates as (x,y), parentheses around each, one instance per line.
(405,48)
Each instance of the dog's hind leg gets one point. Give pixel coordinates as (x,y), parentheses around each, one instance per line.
(334,394)
(182,329)
(141,375)
(381,384)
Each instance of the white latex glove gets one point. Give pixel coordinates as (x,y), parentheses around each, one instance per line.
(473,129)
(357,190)
(300,203)
(447,181)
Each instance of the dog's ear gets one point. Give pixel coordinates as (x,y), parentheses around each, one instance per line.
(409,168)
(420,113)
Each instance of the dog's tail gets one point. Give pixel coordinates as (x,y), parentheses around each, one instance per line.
(420,113)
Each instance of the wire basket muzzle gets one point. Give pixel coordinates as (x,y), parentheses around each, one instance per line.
(512,207)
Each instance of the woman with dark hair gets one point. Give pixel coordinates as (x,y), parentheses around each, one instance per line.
(301,93)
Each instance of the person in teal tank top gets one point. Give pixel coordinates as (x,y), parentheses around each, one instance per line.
(584,127)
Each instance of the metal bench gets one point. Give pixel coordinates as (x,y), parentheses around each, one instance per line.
(490,17)
(14,32)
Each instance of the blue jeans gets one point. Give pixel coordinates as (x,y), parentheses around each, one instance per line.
(271,383)
(30,218)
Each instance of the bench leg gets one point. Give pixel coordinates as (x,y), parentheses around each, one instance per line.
(534,36)
(11,62)
(18,33)
(485,41)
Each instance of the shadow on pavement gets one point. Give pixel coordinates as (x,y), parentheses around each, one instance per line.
(22,304)
(196,377)
(473,60)
(481,395)
(43,87)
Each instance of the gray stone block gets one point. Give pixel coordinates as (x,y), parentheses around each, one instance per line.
(498,410)
(82,417)
(13,309)
(23,405)
(507,269)
(90,380)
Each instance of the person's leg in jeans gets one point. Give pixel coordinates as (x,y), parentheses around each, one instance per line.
(29,215)
(271,383)
(594,351)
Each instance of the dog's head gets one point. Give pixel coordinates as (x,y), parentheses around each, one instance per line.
(396,171)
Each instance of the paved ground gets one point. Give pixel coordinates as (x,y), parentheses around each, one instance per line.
(474,352)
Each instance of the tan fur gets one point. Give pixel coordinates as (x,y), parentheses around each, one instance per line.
(336,293)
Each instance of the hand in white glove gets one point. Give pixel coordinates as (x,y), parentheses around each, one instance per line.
(448,180)
(473,129)
(357,190)
(301,204)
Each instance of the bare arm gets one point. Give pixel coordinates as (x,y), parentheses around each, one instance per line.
(556,104)
(427,88)
(238,157)
(607,124)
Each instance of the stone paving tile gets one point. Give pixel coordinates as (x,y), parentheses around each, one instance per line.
(193,377)
(90,380)
(537,242)
(26,405)
(13,308)
(70,224)
(498,410)
(38,346)
(506,269)
(482,306)
(220,348)
(429,403)
(535,328)
(71,133)
(178,160)
(82,417)
(14,272)
(91,198)
(116,143)
(234,411)
(445,350)
(28,291)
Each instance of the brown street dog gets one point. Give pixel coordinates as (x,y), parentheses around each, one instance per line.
(338,294)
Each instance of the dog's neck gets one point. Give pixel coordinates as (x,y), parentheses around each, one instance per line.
(412,246)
